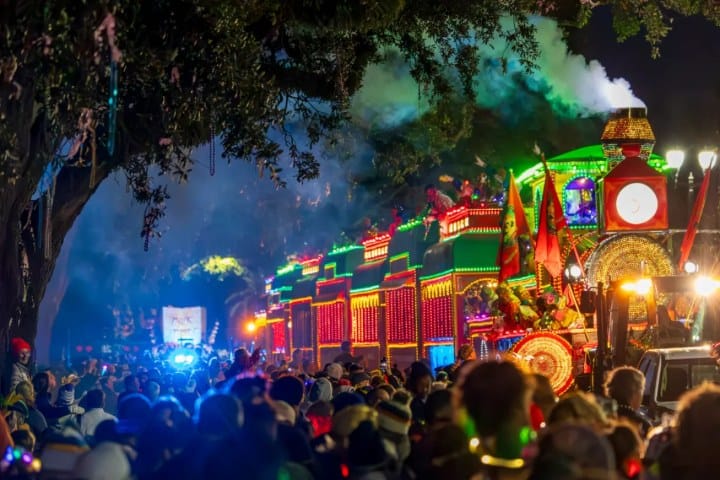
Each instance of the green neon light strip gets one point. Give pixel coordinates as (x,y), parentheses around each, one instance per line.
(474,270)
(339,275)
(477,269)
(410,225)
(365,289)
(437,275)
(400,256)
(520,279)
(345,249)
(288,269)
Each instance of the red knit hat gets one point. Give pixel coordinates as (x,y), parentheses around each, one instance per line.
(17,344)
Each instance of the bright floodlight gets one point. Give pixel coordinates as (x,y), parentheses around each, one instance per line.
(250,327)
(705,286)
(691,267)
(707,159)
(675,158)
(640,287)
(179,358)
(574,271)
(643,286)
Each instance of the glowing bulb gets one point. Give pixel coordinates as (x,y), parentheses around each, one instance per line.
(706,159)
(250,327)
(675,158)
(691,267)
(575,271)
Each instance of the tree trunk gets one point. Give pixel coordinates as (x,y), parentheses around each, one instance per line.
(26,264)
(50,303)
(20,303)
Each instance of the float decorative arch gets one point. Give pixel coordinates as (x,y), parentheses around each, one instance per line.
(623,256)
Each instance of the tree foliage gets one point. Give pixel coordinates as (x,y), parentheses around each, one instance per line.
(91,86)
(651,18)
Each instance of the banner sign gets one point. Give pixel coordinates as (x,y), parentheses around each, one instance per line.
(183,325)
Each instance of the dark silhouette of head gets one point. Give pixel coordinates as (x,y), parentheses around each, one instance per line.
(95,398)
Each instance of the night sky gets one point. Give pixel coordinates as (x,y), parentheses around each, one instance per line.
(235,213)
(681,88)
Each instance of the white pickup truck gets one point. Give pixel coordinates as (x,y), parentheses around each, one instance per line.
(669,372)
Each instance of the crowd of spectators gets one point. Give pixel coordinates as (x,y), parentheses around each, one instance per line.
(275,421)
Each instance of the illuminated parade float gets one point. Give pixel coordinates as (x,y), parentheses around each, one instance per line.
(367,328)
(596,216)
(401,290)
(331,304)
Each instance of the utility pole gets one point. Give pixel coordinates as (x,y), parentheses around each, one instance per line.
(598,373)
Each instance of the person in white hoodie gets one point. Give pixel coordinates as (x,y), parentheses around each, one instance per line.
(94,412)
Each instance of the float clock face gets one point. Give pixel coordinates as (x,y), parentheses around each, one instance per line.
(636,203)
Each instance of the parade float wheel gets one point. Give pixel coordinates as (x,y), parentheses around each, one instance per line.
(549,355)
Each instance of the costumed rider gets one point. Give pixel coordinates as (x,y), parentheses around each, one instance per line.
(398,215)
(438,203)
(508,305)
(21,351)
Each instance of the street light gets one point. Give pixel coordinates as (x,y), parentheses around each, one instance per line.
(675,159)
(573,273)
(691,267)
(707,159)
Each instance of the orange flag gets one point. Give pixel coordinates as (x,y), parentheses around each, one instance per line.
(514,224)
(551,222)
(695,217)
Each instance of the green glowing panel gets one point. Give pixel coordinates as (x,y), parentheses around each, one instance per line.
(304,288)
(369,275)
(464,253)
(411,241)
(589,159)
(346,259)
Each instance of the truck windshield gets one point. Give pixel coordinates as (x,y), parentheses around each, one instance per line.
(679,376)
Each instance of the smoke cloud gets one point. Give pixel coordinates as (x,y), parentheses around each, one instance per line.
(574,86)
(568,81)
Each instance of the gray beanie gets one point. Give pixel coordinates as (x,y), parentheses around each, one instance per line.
(321,391)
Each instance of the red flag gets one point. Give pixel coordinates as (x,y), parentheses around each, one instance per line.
(551,222)
(695,217)
(569,295)
(514,224)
